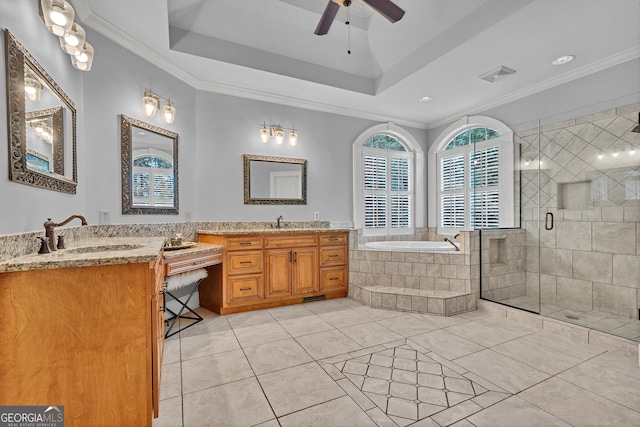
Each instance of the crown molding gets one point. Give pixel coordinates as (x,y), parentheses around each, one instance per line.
(594,67)
(125,40)
(118,36)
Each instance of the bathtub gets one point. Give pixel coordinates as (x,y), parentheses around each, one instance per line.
(411,246)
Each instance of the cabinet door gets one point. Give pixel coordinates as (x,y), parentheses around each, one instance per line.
(278,274)
(305,271)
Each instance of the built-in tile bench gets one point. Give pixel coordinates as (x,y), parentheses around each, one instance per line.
(440,303)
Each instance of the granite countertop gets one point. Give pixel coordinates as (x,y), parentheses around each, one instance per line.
(196,249)
(273,231)
(91,252)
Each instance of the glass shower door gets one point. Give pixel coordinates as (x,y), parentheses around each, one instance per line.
(510,256)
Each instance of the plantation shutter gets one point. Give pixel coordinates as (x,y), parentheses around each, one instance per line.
(163,188)
(388,190)
(400,193)
(452,212)
(375,186)
(485,203)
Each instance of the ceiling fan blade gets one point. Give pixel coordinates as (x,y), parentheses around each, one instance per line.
(328,16)
(386,8)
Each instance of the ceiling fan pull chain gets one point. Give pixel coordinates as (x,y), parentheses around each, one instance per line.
(348,23)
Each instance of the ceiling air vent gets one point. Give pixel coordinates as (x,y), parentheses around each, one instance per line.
(497,74)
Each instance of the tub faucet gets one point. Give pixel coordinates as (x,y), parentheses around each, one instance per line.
(280,218)
(49,229)
(446,239)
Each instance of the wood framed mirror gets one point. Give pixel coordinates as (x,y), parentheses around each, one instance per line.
(149,168)
(274,180)
(41,124)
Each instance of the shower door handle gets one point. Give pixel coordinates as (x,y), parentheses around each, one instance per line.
(548,221)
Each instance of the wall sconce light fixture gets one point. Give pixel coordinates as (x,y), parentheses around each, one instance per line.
(278,133)
(58,16)
(151,103)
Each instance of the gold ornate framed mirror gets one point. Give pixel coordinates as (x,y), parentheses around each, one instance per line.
(149,168)
(274,180)
(41,124)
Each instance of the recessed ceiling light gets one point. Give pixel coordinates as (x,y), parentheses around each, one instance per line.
(426,98)
(563,60)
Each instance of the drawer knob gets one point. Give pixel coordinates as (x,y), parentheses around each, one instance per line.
(245,289)
(333,256)
(198,262)
(245,243)
(334,278)
(245,262)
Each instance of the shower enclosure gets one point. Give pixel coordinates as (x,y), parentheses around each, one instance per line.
(576,254)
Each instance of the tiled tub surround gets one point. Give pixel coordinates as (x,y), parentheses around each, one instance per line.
(503,263)
(441,283)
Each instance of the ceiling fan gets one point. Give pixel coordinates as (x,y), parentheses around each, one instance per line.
(386,8)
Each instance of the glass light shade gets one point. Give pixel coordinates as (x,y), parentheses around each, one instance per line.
(57,16)
(279,134)
(150,105)
(73,42)
(264,135)
(32,88)
(293,138)
(168,113)
(84,59)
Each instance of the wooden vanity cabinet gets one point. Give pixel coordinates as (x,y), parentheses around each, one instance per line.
(273,269)
(334,257)
(86,338)
(291,268)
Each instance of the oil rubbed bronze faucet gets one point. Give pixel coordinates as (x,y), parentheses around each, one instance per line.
(49,229)
(280,218)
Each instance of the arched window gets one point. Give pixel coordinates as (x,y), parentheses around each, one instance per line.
(474,176)
(385,183)
(152,180)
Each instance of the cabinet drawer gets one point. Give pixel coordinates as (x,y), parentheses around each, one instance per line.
(333,256)
(191,262)
(244,243)
(273,242)
(333,239)
(245,289)
(244,262)
(333,279)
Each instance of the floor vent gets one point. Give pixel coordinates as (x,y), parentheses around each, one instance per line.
(314,298)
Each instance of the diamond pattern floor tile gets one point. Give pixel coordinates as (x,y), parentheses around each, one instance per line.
(408,385)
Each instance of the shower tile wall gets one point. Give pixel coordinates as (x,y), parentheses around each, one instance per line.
(589,179)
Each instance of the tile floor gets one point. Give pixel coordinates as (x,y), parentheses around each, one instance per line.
(338,363)
(598,320)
